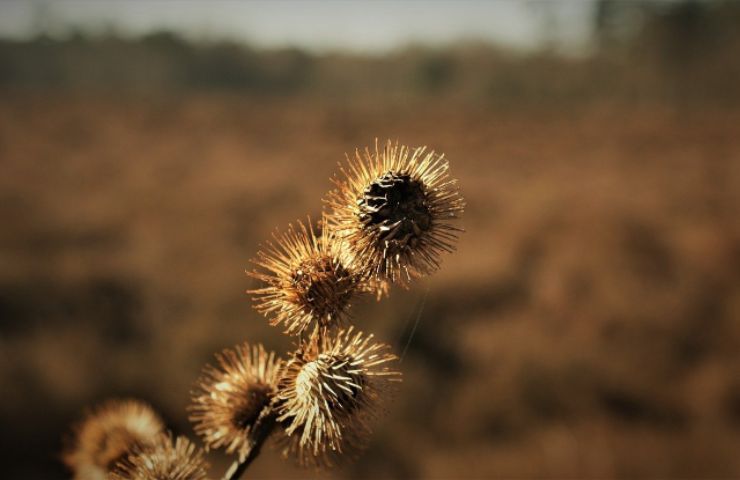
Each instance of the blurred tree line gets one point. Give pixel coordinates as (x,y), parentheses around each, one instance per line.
(681,51)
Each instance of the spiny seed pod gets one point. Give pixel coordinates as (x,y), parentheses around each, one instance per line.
(108,434)
(164,460)
(310,280)
(329,392)
(378,287)
(393,208)
(229,400)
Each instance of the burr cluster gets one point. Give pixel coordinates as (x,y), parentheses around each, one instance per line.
(386,222)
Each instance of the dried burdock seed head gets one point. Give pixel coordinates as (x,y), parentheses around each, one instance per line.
(108,434)
(393,208)
(164,460)
(229,399)
(329,392)
(378,287)
(309,280)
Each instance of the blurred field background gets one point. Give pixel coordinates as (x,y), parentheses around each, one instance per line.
(587,327)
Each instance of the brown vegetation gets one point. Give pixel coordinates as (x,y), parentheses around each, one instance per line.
(586,327)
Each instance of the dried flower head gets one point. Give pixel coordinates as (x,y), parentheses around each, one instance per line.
(164,460)
(108,434)
(329,392)
(393,208)
(229,400)
(377,287)
(309,280)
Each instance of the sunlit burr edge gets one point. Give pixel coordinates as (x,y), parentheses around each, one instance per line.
(394,209)
(330,392)
(309,279)
(229,399)
(108,434)
(165,459)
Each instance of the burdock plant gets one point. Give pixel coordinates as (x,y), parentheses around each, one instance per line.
(393,209)
(330,389)
(229,400)
(308,279)
(108,434)
(387,221)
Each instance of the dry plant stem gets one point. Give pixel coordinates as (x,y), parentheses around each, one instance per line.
(261,433)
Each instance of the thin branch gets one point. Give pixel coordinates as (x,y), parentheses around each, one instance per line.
(263,428)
